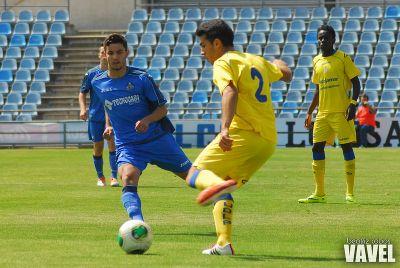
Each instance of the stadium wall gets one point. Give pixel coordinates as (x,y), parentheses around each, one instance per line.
(189,133)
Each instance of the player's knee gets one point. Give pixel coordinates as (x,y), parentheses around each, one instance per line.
(347,147)
(129,175)
(192,173)
(98,148)
(318,147)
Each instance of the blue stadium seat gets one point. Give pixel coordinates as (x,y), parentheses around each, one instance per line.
(9,111)
(3,41)
(319,13)
(350,38)
(155,74)
(190,74)
(194,63)
(289,61)
(276,38)
(240,39)
(173,116)
(193,14)
(176,107)
(148,40)
(25,16)
(279,26)
(376,72)
(207,73)
(211,14)
(336,24)
(301,13)
(36,40)
(356,12)
(199,97)
(5,28)
(180,97)
(290,107)
(158,63)
(145,51)
(254,49)
(297,84)
(215,97)
(338,13)
(33,98)
(279,85)
(294,96)
(362,61)
(3,88)
(204,85)
(372,97)
(308,50)
(175,14)
(374,12)
(18,40)
(390,96)
(365,49)
(49,52)
(363,74)
(189,27)
(157,14)
(393,72)
(272,50)
(54,40)
(6,76)
(383,49)
(14,98)
(294,37)
(32,52)
(288,115)
(311,38)
(38,87)
(13,52)
(257,38)
(194,108)
(396,50)
(392,12)
(261,26)
(352,25)
(386,107)
(372,84)
(190,116)
(9,64)
(386,37)
(297,25)
(19,87)
(140,62)
(213,108)
(305,61)
(229,13)
(39,28)
(167,86)
(135,27)
(181,50)
(132,39)
(61,15)
(314,25)
(265,13)
(139,15)
(171,74)
(154,27)
(380,61)
(23,76)
(57,28)
(392,84)
(247,13)
(236,47)
(309,96)
(283,13)
(8,16)
(171,27)
(368,37)
(176,62)
(276,96)
(243,26)
(21,28)
(45,64)
(347,48)
(29,109)
(371,25)
(24,118)
(389,25)
(43,16)
(303,110)
(184,39)
(290,50)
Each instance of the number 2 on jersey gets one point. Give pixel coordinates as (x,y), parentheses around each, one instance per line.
(255,73)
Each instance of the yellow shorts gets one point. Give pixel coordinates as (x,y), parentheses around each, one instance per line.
(329,125)
(249,152)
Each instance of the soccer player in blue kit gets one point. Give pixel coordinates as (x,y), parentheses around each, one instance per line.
(96,123)
(137,112)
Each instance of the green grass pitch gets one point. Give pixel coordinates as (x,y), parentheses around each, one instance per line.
(53,215)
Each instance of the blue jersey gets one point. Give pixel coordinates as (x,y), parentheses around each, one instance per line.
(96,108)
(129,99)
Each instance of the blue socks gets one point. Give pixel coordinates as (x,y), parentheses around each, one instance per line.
(98,164)
(131,201)
(113,164)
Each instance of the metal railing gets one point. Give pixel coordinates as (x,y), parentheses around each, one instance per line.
(18,6)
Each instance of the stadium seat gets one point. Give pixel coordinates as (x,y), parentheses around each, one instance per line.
(380,61)
(368,37)
(189,27)
(289,61)
(193,14)
(215,97)
(38,87)
(211,14)
(314,25)
(294,96)
(276,38)
(180,97)
(61,15)
(132,39)
(19,87)
(272,50)
(304,61)
(352,25)
(8,16)
(337,13)
(18,40)
(3,88)
(386,37)
(9,64)
(297,25)
(301,73)
(362,61)
(185,86)
(157,14)
(39,28)
(148,40)
(393,72)
(57,28)
(308,50)
(3,41)
(261,26)
(383,49)
(364,49)
(229,13)
(374,12)
(6,76)
(376,72)
(350,38)
(146,51)
(356,12)
(243,26)
(297,85)
(194,63)
(240,39)
(49,52)
(189,74)
(190,116)
(279,85)
(396,50)
(185,39)
(139,15)
(200,97)
(290,50)
(181,50)
(372,97)
(173,116)
(21,28)
(283,13)
(319,13)
(5,28)
(25,16)
(153,27)
(54,40)
(386,107)
(44,64)
(257,38)
(213,108)
(135,27)
(23,76)
(392,84)
(33,98)
(311,38)
(392,12)
(171,74)
(389,96)
(14,98)
(372,84)
(363,74)
(171,27)
(24,118)
(13,52)
(290,107)
(371,25)
(167,86)
(194,108)
(247,13)
(265,13)
(140,62)
(254,49)
(176,107)
(176,62)
(276,96)
(279,26)
(43,16)
(32,52)
(9,109)
(175,14)
(36,40)
(204,85)
(28,64)
(5,117)
(206,73)
(294,37)
(155,74)
(166,39)
(285,114)
(389,25)
(301,13)
(158,63)
(309,96)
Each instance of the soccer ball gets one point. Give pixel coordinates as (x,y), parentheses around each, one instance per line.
(135,237)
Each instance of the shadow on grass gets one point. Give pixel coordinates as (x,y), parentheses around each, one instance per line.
(357,204)
(249,257)
(187,234)
(159,187)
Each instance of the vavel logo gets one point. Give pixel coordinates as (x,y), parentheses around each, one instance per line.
(108,104)
(365,250)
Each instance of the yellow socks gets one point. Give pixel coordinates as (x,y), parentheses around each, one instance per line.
(223,212)
(350,169)
(318,167)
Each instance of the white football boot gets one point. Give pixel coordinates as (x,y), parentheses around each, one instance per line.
(218,250)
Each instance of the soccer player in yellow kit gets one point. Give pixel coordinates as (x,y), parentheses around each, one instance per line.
(334,75)
(248,135)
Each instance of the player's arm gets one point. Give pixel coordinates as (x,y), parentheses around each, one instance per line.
(143,124)
(229,101)
(287,73)
(351,110)
(108,131)
(311,108)
(82,106)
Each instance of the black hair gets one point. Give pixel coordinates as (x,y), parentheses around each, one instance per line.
(327,28)
(115,38)
(365,96)
(216,29)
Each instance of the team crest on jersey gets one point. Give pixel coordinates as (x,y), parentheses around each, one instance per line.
(129,86)
(326,69)
(108,104)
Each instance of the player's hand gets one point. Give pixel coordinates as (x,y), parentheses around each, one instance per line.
(308,121)
(83,115)
(226,142)
(351,112)
(142,126)
(108,133)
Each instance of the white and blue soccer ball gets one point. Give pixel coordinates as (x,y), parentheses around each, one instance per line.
(135,237)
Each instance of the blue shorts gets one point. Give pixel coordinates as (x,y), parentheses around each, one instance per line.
(95,130)
(163,152)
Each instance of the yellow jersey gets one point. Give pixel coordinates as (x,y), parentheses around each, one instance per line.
(251,75)
(333,75)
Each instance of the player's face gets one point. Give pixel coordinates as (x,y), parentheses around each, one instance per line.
(325,40)
(116,56)
(210,50)
(102,55)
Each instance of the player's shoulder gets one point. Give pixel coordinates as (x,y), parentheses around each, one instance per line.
(101,74)
(317,58)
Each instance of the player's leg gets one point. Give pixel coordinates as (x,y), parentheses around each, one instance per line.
(113,163)
(98,162)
